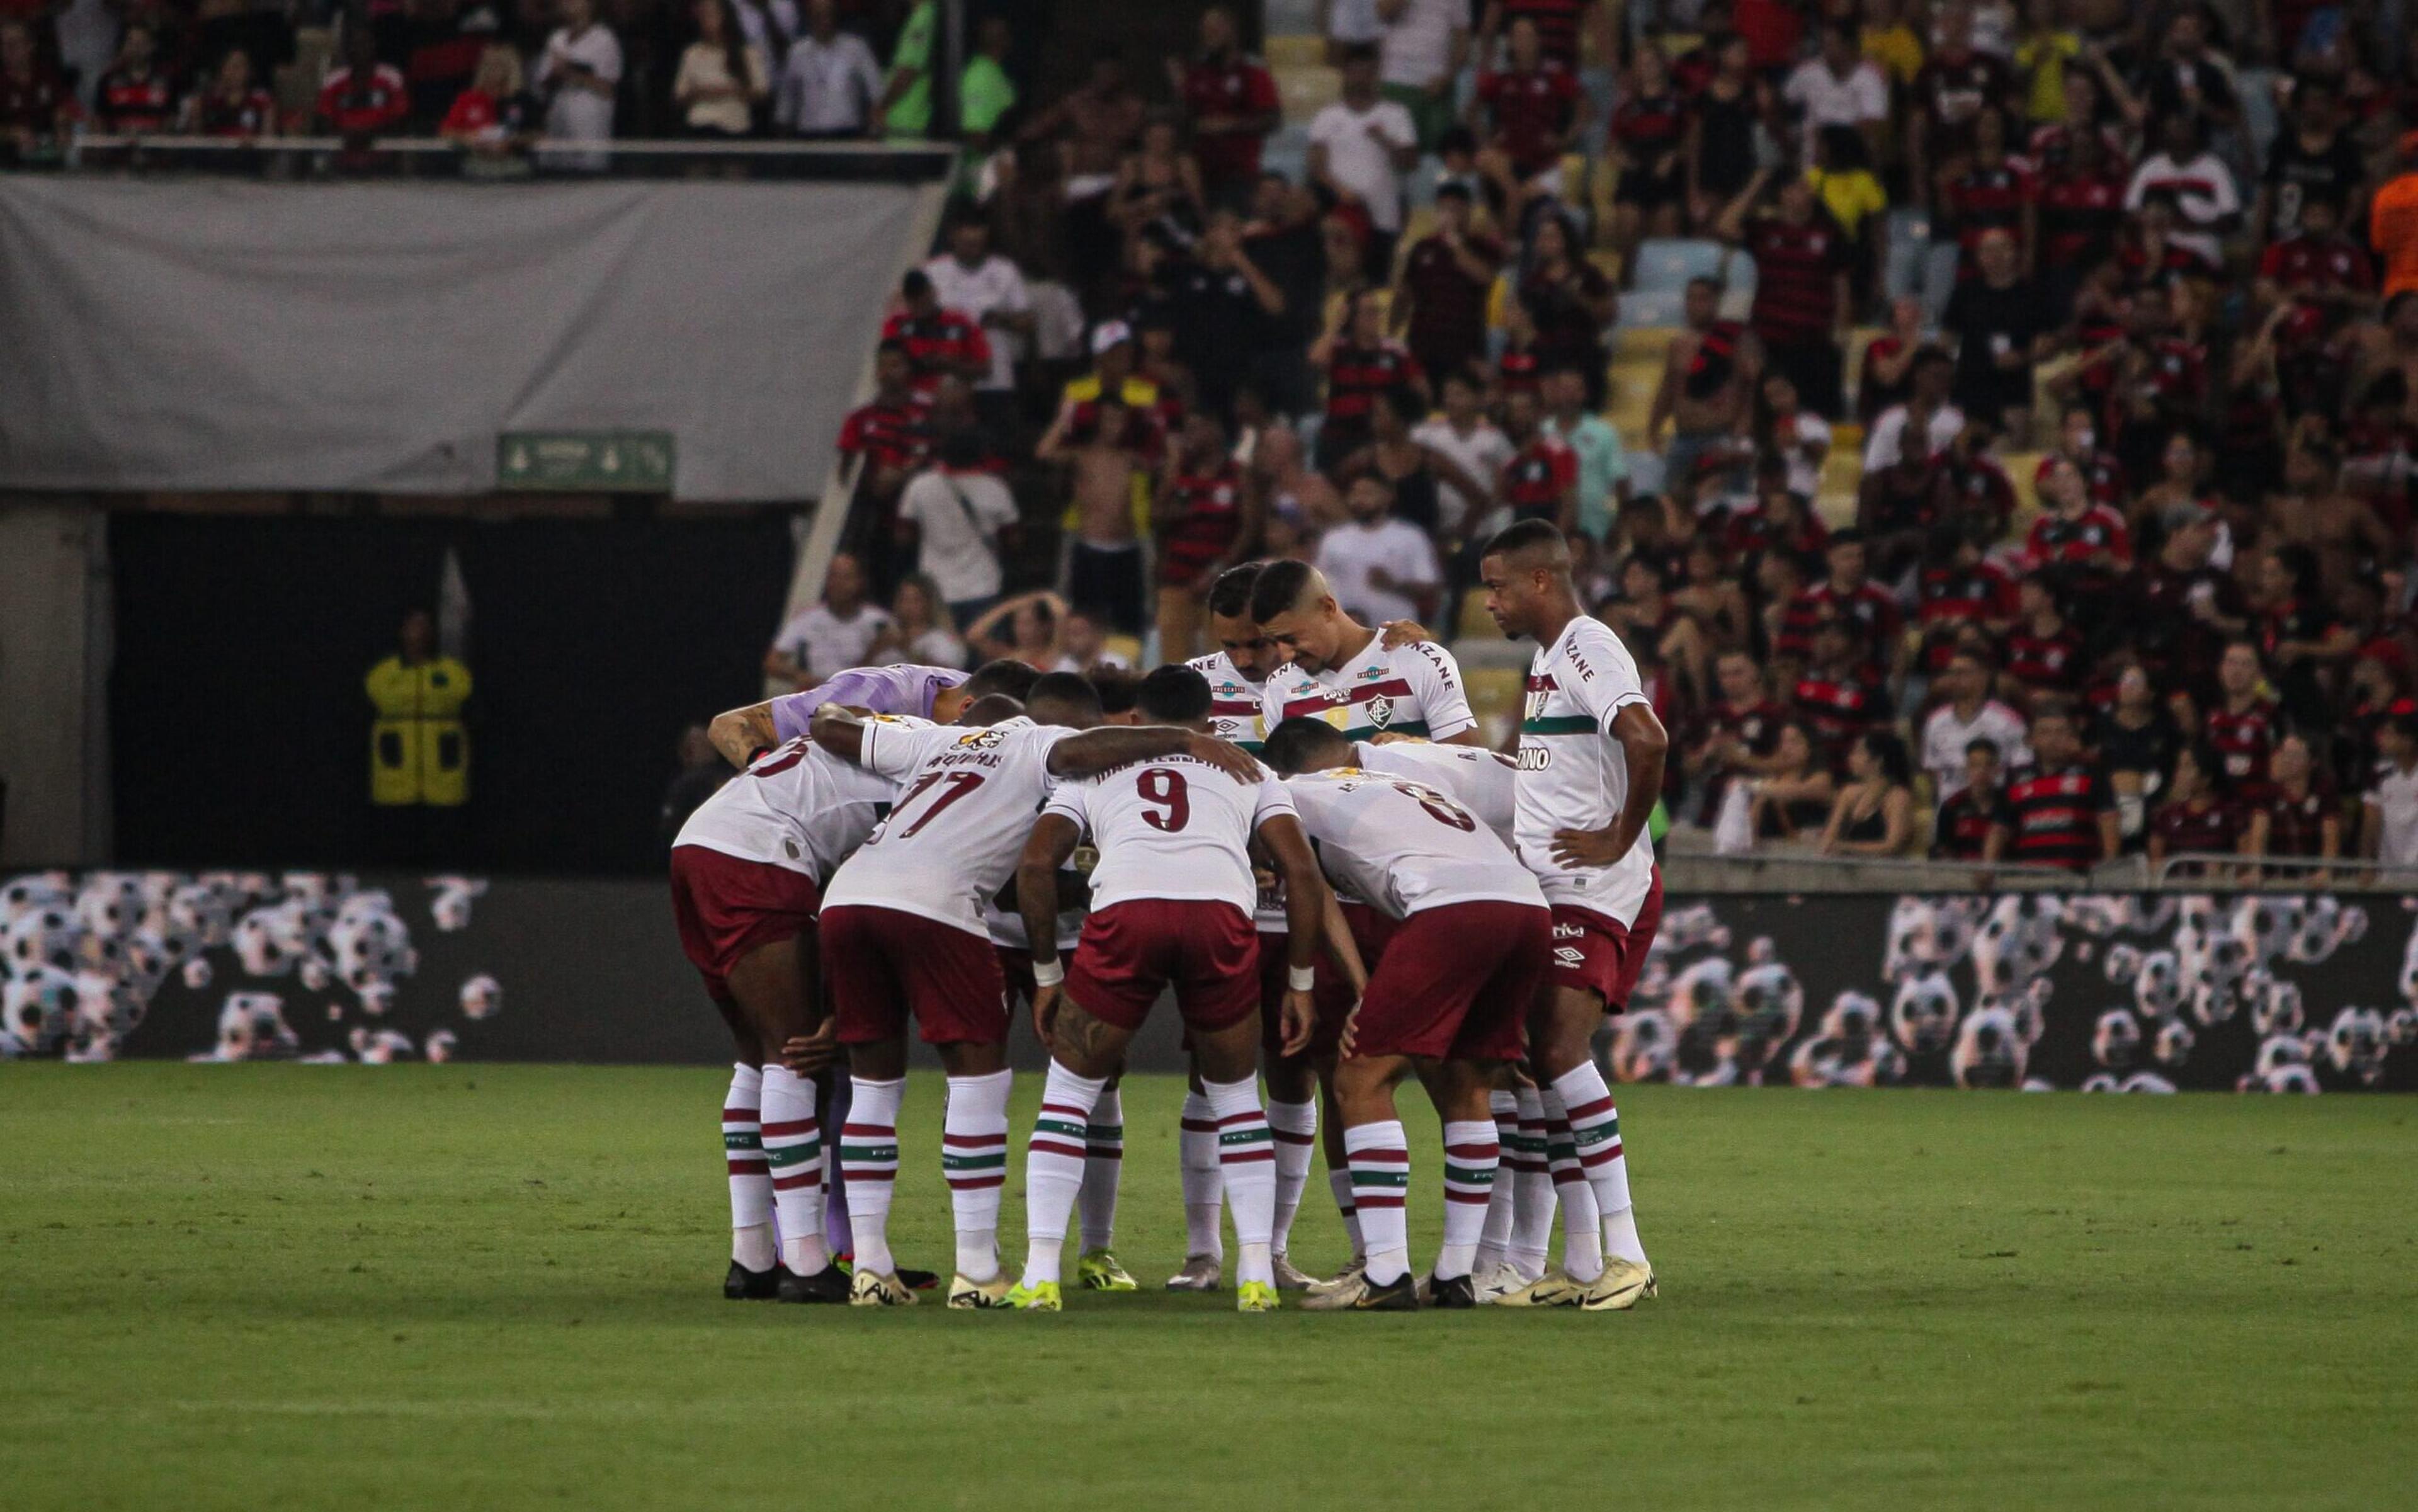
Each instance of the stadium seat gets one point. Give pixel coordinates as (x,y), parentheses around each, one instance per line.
(1652,307)
(1667,262)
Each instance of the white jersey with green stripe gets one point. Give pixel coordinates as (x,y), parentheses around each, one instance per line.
(1484,782)
(1573,775)
(1413,690)
(1233,701)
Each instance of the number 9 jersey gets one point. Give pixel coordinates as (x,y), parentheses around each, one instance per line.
(1172,830)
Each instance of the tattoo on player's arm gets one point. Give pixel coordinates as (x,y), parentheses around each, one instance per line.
(739,733)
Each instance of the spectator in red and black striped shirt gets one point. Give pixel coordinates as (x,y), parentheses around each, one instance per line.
(2065,811)
(1361,363)
(1840,696)
(938,342)
(2244,727)
(1440,300)
(1541,480)
(1537,111)
(2044,651)
(2301,817)
(1559,24)
(2200,815)
(135,95)
(1231,101)
(1976,821)
(890,433)
(1802,300)
(1846,591)
(365,98)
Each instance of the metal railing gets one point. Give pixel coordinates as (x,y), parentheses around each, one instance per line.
(1781,870)
(2233,870)
(303,157)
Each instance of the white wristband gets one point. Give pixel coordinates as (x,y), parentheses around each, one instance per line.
(1301,978)
(1047,974)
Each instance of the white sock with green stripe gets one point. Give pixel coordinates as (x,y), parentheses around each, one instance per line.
(1295,1127)
(1494,1234)
(751,1244)
(1340,1183)
(1380,1185)
(868,1159)
(1204,1184)
(973,1155)
(1533,1203)
(1595,1131)
(793,1152)
(1054,1167)
(1470,1157)
(1582,1230)
(1103,1164)
(1247,1154)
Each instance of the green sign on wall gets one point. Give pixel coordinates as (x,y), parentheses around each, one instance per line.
(624,462)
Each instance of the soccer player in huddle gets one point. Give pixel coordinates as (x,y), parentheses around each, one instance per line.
(1464,960)
(1591,753)
(748,873)
(1172,901)
(902,930)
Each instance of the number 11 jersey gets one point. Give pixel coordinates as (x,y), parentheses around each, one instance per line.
(1174,829)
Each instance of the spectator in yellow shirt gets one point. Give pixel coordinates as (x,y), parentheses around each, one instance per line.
(1890,42)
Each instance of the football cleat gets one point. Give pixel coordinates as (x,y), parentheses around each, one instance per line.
(1622,1286)
(739,1283)
(869,1289)
(1098,1271)
(967,1297)
(1343,1277)
(917,1280)
(1498,1283)
(1460,1291)
(1256,1296)
(1041,1296)
(1290,1278)
(826,1285)
(1200,1273)
(1400,1295)
(1552,1290)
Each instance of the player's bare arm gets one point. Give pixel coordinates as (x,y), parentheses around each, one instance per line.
(1052,841)
(1643,744)
(1097,751)
(836,730)
(1310,912)
(739,734)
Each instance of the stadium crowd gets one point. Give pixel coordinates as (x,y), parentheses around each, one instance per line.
(2017,465)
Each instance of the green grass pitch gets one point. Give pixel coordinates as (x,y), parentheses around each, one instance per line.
(487,1286)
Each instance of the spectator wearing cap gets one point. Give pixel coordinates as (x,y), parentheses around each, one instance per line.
(2388,808)
(1360,146)
(1229,102)
(1594,443)
(830,81)
(1113,375)
(1439,304)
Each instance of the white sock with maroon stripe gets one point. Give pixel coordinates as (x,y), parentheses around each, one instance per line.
(1380,1185)
(1471,1155)
(1055,1168)
(1582,1231)
(868,1157)
(1532,1189)
(793,1150)
(1595,1129)
(1247,1154)
(1339,1183)
(1103,1164)
(1295,1127)
(1494,1234)
(973,1155)
(1204,1184)
(751,1244)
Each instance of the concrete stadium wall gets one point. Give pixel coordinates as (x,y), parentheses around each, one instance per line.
(2092,991)
(53,666)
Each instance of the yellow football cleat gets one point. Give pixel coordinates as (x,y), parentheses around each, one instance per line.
(1256,1296)
(1554,1289)
(1098,1271)
(1041,1296)
(869,1289)
(1622,1286)
(967,1297)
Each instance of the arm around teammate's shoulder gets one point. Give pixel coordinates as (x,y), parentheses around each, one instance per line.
(1095,751)
(741,733)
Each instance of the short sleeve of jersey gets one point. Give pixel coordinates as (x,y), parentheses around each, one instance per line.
(1072,800)
(894,747)
(1273,798)
(1435,677)
(1600,675)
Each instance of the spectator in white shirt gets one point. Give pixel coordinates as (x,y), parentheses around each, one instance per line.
(1380,567)
(2196,179)
(2388,809)
(1464,436)
(830,83)
(578,77)
(834,635)
(954,514)
(1839,88)
(1934,371)
(1970,714)
(989,289)
(1359,148)
(1421,51)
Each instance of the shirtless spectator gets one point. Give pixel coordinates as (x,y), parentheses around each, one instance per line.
(1103,561)
(1706,403)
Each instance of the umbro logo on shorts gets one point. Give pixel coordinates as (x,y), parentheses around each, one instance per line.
(1569,956)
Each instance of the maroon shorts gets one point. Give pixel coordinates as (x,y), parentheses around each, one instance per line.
(727,906)
(1332,998)
(1456,982)
(1595,953)
(881,964)
(1016,972)
(1133,950)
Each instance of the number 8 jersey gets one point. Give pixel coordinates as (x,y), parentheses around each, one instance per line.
(1404,845)
(1172,830)
(959,824)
